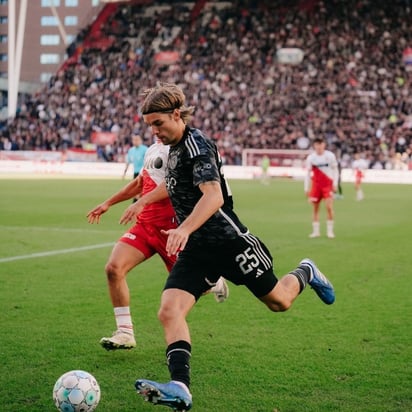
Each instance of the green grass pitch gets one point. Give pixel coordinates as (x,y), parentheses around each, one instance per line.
(355,355)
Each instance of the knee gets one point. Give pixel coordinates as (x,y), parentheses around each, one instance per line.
(169,313)
(165,314)
(113,271)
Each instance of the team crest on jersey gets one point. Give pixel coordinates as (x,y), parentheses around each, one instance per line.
(172,162)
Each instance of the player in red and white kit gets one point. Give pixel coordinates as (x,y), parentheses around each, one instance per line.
(359,165)
(321,183)
(140,242)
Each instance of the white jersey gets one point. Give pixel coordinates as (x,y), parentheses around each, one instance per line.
(321,169)
(153,173)
(360,164)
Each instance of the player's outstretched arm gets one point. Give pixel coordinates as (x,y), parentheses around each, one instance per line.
(307,178)
(125,170)
(131,190)
(335,173)
(157,194)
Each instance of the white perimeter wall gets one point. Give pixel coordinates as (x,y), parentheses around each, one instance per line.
(12,169)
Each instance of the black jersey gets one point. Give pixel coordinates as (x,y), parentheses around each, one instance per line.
(195,160)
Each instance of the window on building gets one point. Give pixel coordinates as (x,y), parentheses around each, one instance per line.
(3,57)
(49,58)
(49,39)
(3,38)
(71,3)
(3,2)
(45,77)
(95,3)
(70,38)
(3,20)
(49,21)
(48,3)
(70,21)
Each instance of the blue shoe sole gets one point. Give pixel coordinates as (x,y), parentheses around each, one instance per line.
(151,393)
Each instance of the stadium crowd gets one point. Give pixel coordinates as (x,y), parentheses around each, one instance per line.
(352,87)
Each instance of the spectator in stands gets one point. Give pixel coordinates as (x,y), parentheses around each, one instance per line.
(352,84)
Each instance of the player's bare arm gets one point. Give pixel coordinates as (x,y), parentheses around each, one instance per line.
(130,214)
(335,175)
(208,204)
(131,190)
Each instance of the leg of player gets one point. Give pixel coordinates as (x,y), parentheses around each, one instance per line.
(175,306)
(281,297)
(315,220)
(220,289)
(291,285)
(330,215)
(340,191)
(122,259)
(359,192)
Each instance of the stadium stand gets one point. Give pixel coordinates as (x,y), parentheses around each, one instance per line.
(352,87)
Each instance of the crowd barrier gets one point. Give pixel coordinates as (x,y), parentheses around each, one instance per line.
(12,169)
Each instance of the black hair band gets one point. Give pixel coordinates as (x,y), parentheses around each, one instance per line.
(168,110)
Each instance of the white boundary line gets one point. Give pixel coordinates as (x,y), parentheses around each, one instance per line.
(55,252)
(59,229)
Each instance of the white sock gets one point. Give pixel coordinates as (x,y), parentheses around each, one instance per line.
(123,319)
(329,226)
(316,228)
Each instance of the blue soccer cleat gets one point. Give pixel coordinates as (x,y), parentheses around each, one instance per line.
(319,283)
(173,394)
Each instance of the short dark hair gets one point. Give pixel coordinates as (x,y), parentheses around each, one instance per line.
(318,140)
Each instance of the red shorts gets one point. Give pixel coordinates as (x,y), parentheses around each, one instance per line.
(358,177)
(149,240)
(319,192)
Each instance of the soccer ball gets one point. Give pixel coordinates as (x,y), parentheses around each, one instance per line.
(76,391)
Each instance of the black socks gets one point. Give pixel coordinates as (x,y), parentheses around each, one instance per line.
(302,273)
(178,356)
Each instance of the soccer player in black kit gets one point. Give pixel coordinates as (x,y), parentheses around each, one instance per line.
(210,241)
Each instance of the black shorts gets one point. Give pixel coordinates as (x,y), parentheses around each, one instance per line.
(244,261)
